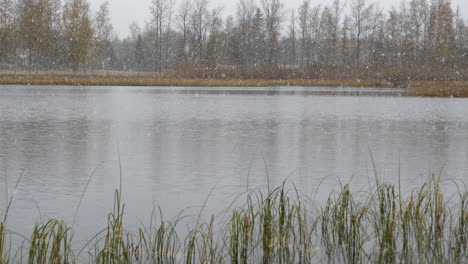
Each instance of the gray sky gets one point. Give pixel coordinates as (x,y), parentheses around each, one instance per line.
(124,12)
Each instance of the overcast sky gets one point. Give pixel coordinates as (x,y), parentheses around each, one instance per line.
(124,12)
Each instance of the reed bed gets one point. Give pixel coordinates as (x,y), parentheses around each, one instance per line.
(277,226)
(439,89)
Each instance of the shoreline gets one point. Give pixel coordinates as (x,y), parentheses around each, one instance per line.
(148,80)
(414,88)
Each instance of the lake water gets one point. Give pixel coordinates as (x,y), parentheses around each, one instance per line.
(180,147)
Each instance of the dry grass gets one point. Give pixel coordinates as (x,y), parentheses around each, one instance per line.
(439,89)
(148,80)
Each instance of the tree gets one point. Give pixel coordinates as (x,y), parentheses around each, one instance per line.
(336,10)
(441,33)
(393,37)
(273,15)
(460,39)
(57,34)
(345,47)
(257,36)
(304,27)
(234,51)
(245,13)
(37,22)
(48,36)
(102,36)
(199,20)
(360,16)
(7,31)
(158,12)
(139,53)
(291,47)
(375,35)
(78,32)
(134,30)
(160,27)
(183,20)
(315,33)
(134,41)
(418,24)
(464,49)
(214,43)
(326,48)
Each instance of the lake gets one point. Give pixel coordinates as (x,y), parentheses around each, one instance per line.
(181,147)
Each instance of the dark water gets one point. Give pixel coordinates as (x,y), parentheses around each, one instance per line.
(178,144)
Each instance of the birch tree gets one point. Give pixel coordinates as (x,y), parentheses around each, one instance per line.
(161,18)
(102,36)
(37,21)
(78,32)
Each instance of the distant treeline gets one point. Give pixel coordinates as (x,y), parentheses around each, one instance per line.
(67,35)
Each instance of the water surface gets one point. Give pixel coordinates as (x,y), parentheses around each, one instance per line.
(179,146)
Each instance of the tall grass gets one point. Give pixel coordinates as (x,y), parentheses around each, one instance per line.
(5,252)
(149,80)
(278,226)
(2,242)
(439,89)
(50,243)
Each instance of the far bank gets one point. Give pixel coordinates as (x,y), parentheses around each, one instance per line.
(419,80)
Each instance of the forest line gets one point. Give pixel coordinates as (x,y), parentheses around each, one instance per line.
(55,35)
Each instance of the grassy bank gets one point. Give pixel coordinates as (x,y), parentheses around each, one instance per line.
(280,226)
(439,89)
(450,82)
(154,80)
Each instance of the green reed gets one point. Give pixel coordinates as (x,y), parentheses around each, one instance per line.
(277,226)
(2,242)
(50,243)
